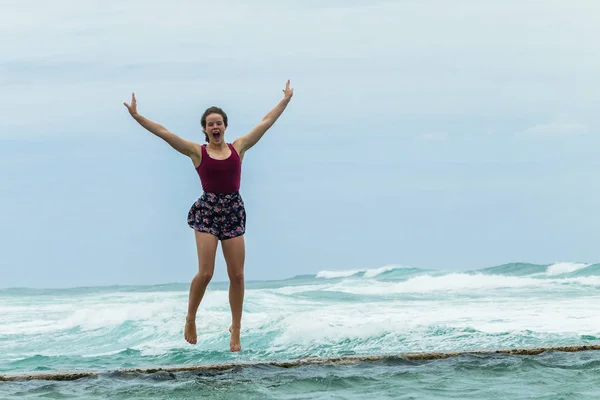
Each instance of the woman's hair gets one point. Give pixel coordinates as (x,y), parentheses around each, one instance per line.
(212,110)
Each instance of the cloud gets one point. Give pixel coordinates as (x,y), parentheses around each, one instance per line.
(560,126)
(69,65)
(434,136)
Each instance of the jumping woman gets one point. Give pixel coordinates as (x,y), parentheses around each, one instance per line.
(219,213)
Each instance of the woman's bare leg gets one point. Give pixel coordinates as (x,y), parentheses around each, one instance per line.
(206,246)
(234,252)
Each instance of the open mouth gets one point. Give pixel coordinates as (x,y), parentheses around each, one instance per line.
(216,135)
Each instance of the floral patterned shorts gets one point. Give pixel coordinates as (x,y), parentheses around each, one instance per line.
(221,215)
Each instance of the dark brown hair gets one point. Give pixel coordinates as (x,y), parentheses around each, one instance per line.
(212,110)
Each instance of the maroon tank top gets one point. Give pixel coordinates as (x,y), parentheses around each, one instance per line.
(220,176)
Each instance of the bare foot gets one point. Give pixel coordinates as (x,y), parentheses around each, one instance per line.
(234,343)
(190,331)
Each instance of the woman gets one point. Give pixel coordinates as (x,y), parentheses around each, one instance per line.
(219,214)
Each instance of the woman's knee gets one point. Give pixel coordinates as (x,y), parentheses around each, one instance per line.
(236,278)
(204,277)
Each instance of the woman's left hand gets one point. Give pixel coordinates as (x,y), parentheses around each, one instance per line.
(288,92)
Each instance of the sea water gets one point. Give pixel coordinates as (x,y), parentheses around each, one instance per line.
(383,312)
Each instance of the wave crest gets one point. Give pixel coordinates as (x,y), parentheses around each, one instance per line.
(391,270)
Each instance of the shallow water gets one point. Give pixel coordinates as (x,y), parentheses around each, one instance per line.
(548,376)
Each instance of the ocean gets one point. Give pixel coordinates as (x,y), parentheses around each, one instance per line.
(381,313)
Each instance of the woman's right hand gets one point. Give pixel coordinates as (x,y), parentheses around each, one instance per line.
(133,106)
(181,145)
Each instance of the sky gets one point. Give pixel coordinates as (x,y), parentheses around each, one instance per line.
(433,134)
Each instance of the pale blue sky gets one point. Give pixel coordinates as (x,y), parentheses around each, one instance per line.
(433,134)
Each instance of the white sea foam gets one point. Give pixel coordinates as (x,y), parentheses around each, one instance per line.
(368,272)
(338,274)
(87,313)
(371,273)
(582,280)
(412,322)
(300,288)
(446,283)
(564,268)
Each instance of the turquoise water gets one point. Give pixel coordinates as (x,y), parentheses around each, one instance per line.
(385,311)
